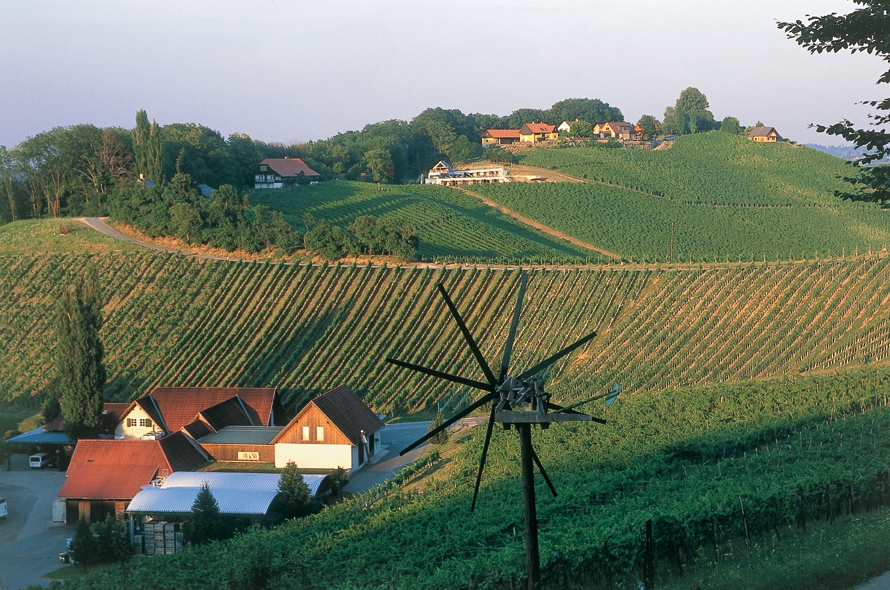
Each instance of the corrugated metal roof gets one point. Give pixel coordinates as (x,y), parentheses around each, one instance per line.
(242,435)
(39,436)
(236,493)
(181,500)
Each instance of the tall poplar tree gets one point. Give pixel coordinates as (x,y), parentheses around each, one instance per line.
(148,148)
(80,372)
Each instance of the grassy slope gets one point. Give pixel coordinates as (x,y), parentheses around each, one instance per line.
(448,223)
(727,197)
(174,320)
(42,236)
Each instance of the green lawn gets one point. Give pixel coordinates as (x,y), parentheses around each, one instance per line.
(44,236)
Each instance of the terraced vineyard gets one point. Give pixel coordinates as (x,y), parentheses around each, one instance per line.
(449,224)
(727,197)
(174,320)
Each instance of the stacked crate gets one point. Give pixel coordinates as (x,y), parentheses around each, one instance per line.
(169,539)
(149,532)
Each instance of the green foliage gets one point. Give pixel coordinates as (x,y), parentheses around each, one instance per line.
(581,129)
(649,125)
(112,541)
(340,477)
(148,149)
(205,524)
(730,125)
(332,242)
(727,196)
(442,437)
(862,30)
(78,356)
(84,547)
(294,491)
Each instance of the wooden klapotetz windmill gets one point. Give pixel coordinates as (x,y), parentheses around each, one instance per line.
(518,401)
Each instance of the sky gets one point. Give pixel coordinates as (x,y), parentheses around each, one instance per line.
(290,71)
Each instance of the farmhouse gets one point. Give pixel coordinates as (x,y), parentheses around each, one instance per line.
(283,172)
(764,134)
(535,132)
(198,411)
(104,475)
(334,430)
(500,136)
(443,174)
(617,129)
(565,127)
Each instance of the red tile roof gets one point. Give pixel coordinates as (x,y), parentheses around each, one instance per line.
(116,469)
(537,128)
(346,411)
(180,405)
(289,167)
(502,133)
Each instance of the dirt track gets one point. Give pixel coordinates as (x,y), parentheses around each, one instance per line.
(539,226)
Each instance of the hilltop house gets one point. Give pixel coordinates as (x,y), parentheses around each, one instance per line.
(500,136)
(565,127)
(282,173)
(535,132)
(104,475)
(764,134)
(443,174)
(617,129)
(335,429)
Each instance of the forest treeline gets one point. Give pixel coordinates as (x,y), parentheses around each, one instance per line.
(76,170)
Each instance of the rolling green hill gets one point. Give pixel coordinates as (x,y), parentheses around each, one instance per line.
(449,223)
(174,320)
(727,197)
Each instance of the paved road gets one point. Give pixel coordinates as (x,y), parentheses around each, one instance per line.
(30,542)
(393,438)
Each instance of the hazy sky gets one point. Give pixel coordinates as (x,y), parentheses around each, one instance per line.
(287,71)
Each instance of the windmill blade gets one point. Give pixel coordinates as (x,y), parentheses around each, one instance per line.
(549,361)
(440,374)
(484,455)
(544,473)
(478,404)
(562,410)
(469,338)
(508,349)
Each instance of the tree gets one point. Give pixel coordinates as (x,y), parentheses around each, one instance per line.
(675,121)
(6,183)
(80,371)
(442,437)
(730,125)
(695,105)
(649,125)
(864,29)
(83,547)
(186,221)
(205,524)
(294,490)
(112,542)
(148,148)
(581,128)
(340,477)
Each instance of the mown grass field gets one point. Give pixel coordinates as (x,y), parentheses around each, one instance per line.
(728,199)
(43,236)
(448,223)
(174,320)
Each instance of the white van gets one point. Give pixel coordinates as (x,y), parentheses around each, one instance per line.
(39,461)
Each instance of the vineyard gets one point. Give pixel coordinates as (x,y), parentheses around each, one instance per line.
(174,320)
(713,468)
(449,224)
(728,199)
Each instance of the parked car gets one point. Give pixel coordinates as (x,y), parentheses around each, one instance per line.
(39,460)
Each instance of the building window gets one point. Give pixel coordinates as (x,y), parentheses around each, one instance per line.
(319,433)
(145,422)
(305,433)
(248,456)
(131,422)
(264,168)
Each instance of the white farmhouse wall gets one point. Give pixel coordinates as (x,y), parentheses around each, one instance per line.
(135,432)
(315,456)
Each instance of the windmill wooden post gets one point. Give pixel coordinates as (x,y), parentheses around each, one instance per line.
(518,401)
